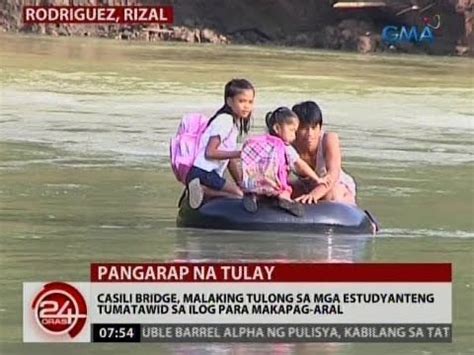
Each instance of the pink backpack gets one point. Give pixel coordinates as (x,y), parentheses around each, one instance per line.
(264,166)
(185,145)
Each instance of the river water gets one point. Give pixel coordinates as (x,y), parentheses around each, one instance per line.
(84,175)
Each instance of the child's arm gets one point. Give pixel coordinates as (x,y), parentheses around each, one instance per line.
(302,168)
(235,170)
(213,152)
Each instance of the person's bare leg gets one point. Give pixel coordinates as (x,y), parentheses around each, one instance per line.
(332,195)
(229,190)
(340,193)
(349,198)
(211,193)
(199,192)
(233,189)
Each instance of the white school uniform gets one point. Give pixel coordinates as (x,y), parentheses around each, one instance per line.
(224,127)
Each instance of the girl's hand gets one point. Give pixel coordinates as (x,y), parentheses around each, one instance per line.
(302,168)
(234,154)
(213,152)
(326,180)
(307,199)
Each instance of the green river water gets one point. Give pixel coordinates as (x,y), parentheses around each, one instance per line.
(84,172)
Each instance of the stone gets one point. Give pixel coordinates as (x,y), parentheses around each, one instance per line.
(51,31)
(209,36)
(63,31)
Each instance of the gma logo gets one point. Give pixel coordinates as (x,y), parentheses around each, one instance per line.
(405,34)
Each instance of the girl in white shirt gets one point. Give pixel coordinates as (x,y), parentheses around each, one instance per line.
(218,146)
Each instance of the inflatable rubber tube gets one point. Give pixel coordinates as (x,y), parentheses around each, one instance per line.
(323,217)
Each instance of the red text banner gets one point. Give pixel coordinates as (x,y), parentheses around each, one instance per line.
(269,272)
(98,14)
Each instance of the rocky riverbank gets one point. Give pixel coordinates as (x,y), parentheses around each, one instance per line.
(313,23)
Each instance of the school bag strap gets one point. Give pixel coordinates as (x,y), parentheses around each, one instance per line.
(185,145)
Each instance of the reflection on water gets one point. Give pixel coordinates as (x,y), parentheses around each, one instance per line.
(281,247)
(84,176)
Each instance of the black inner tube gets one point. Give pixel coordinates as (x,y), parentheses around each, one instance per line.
(323,217)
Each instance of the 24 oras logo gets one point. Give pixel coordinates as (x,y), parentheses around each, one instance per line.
(60,308)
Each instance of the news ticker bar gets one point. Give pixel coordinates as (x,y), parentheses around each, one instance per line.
(271,333)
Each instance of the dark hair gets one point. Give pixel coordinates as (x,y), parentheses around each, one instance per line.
(231,89)
(282,115)
(309,113)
